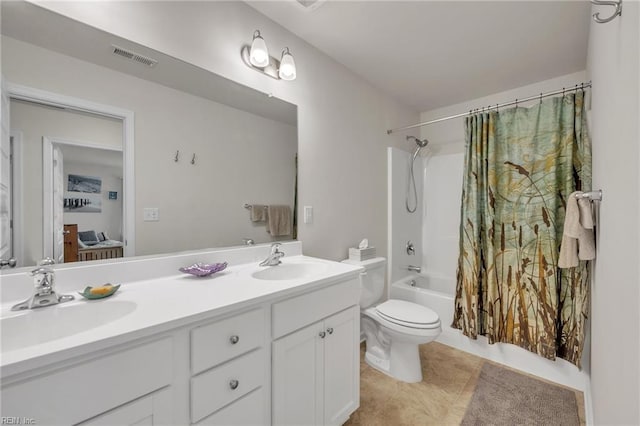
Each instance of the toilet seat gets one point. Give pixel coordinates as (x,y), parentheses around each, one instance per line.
(408,314)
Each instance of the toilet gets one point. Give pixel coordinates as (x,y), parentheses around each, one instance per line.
(392,329)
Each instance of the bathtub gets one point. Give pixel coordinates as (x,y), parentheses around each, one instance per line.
(436,293)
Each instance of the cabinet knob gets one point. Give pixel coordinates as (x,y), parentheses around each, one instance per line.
(321,334)
(234,339)
(233,384)
(330,330)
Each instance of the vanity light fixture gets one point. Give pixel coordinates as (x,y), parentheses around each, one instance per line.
(287,70)
(259,54)
(257,57)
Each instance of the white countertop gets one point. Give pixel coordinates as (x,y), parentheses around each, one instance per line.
(160,304)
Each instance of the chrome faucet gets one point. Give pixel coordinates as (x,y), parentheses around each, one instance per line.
(274,257)
(44,292)
(248,241)
(414,268)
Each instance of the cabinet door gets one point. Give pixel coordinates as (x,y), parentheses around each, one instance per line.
(70,243)
(149,410)
(341,366)
(298,358)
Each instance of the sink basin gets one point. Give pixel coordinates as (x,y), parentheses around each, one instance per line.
(42,325)
(290,271)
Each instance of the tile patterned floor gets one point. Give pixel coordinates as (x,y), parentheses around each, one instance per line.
(449,379)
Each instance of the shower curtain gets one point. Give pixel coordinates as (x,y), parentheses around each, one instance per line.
(521,164)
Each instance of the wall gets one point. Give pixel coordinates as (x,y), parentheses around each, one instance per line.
(615,354)
(200,205)
(109,220)
(441,219)
(403,226)
(342,120)
(33,122)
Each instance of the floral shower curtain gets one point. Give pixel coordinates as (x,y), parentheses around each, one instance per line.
(521,164)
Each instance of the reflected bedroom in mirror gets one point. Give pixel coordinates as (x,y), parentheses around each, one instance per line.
(113,149)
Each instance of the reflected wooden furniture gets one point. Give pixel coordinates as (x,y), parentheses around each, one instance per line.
(99,253)
(70,243)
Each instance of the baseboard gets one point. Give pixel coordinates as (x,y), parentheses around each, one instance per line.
(588,403)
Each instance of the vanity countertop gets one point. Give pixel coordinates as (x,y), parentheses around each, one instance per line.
(160,304)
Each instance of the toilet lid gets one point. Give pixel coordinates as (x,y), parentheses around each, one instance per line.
(407,312)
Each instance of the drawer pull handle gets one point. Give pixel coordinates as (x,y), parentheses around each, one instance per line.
(234,339)
(233,384)
(330,330)
(321,334)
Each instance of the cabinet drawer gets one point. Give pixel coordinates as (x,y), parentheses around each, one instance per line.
(213,389)
(213,344)
(297,312)
(90,388)
(247,411)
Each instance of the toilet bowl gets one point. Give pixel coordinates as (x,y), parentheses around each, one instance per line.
(393,329)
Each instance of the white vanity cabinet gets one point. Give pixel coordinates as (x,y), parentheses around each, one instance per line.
(316,374)
(290,357)
(230,368)
(94,386)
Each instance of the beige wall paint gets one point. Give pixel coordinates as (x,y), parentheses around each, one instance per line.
(240,157)
(36,122)
(613,66)
(342,119)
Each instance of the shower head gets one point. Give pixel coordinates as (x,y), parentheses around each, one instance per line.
(421,143)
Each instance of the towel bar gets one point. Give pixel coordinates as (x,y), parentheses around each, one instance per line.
(248,206)
(591,195)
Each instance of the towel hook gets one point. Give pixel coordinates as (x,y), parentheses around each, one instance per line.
(615,3)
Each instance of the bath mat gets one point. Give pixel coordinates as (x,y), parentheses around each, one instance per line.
(504,397)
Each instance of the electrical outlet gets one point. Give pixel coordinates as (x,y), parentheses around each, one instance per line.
(151,214)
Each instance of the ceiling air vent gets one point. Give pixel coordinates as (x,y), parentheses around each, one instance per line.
(134,56)
(310,4)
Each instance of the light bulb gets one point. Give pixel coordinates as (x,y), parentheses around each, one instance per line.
(287,70)
(259,55)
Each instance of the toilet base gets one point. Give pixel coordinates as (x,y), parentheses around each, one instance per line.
(403,362)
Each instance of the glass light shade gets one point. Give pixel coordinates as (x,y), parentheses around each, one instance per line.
(259,55)
(287,70)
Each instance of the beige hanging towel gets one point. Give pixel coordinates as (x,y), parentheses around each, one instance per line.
(577,237)
(258,212)
(279,220)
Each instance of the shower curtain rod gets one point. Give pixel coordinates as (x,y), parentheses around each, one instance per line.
(564,90)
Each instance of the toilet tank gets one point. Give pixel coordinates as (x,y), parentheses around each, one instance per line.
(371,280)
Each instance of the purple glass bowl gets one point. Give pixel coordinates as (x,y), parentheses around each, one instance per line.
(204,269)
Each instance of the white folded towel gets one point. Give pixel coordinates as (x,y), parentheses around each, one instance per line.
(577,236)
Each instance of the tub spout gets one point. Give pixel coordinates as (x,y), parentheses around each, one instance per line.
(414,268)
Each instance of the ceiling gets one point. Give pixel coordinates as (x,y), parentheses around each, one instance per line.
(429,54)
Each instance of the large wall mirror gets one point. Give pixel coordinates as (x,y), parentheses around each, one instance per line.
(202,151)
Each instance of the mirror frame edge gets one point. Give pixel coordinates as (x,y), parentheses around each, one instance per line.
(25,93)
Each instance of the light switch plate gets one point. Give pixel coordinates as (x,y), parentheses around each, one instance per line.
(308,214)
(151,214)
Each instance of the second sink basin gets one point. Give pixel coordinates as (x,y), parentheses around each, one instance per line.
(42,325)
(290,271)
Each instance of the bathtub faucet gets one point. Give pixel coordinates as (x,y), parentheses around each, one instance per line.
(414,268)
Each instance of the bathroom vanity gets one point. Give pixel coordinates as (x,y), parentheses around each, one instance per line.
(249,345)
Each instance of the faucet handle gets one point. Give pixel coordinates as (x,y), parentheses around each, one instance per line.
(41,270)
(275,247)
(46,261)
